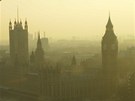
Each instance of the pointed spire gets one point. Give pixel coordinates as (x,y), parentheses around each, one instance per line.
(109,33)
(39,44)
(109,23)
(39,53)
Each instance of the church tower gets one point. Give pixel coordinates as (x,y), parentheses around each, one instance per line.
(18,40)
(109,60)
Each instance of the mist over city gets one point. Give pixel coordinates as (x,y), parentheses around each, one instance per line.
(67,50)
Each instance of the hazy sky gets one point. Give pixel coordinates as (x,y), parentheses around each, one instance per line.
(63,19)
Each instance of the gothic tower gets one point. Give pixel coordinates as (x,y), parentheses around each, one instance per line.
(39,63)
(109,49)
(18,40)
(109,59)
(39,53)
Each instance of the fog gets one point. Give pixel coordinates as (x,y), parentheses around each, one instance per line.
(67,50)
(65,19)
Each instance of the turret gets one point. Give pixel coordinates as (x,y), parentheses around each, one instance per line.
(15,23)
(26,25)
(10,25)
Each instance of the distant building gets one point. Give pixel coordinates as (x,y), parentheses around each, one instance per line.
(37,57)
(55,81)
(109,49)
(45,43)
(39,52)
(18,37)
(109,57)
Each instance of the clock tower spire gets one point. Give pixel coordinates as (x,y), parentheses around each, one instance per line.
(109,59)
(109,48)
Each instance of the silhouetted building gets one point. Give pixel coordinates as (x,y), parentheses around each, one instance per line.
(109,56)
(39,52)
(109,49)
(18,37)
(55,80)
(45,43)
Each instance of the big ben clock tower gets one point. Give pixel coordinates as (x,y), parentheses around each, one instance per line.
(109,49)
(109,57)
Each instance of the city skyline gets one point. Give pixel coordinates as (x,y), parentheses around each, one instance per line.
(67,19)
(90,64)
